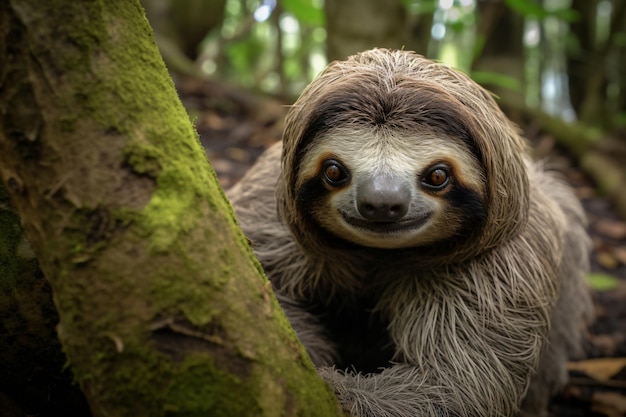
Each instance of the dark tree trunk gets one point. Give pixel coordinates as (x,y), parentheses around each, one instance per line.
(185,22)
(500,31)
(583,31)
(356,25)
(591,61)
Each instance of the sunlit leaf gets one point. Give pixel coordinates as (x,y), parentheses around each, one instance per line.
(529,8)
(244,56)
(496,79)
(457,26)
(602,282)
(305,11)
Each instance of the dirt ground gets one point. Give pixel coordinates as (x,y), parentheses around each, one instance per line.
(235,127)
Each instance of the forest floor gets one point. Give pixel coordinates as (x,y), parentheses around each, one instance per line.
(235,127)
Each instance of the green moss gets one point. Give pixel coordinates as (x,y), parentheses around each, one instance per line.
(291,365)
(129,72)
(137,376)
(206,390)
(172,294)
(143,158)
(227,263)
(167,218)
(285,386)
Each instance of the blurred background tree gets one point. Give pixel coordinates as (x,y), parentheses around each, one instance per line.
(550,49)
(557,64)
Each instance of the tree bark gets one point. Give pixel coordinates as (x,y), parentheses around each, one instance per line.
(162,307)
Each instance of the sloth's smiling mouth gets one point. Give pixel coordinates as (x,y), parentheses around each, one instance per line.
(386,227)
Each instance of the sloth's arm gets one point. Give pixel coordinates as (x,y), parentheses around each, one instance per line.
(405,390)
(399,391)
(431,390)
(467,345)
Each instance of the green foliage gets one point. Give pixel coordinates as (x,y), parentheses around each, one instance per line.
(278,55)
(602,282)
(306,11)
(532,9)
(496,79)
(221,398)
(620,120)
(283,53)
(245,56)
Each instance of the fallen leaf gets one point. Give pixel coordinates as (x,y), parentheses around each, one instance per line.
(610,403)
(221,165)
(607,259)
(620,254)
(238,154)
(613,229)
(601,369)
(584,193)
(214,121)
(603,344)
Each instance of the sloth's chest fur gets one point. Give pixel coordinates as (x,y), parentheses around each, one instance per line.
(360,335)
(348,305)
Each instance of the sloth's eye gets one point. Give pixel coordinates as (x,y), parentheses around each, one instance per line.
(334,173)
(437,177)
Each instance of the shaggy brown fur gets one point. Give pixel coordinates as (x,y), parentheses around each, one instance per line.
(470,300)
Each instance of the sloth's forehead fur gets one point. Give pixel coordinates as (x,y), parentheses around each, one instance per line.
(398,105)
(382,151)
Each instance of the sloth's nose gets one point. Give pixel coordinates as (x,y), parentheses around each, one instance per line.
(383,199)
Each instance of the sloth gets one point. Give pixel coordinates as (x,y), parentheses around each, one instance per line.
(427,264)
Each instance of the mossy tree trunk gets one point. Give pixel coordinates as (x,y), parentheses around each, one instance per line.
(163,309)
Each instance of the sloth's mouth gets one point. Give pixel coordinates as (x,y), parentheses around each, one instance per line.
(387,227)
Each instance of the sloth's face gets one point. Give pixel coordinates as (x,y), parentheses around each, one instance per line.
(384,189)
